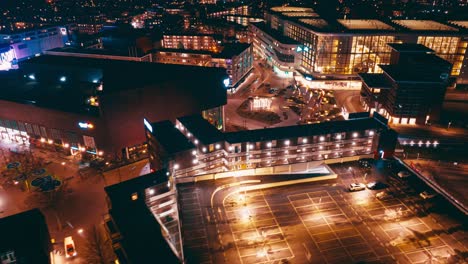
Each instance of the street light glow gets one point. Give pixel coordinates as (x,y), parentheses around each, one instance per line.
(286,142)
(355,134)
(371,133)
(151,191)
(304,140)
(269,144)
(218,146)
(322,138)
(204,149)
(176,166)
(63,79)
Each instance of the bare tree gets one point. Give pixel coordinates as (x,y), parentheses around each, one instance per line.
(98,246)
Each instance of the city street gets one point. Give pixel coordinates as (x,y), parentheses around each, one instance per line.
(80,204)
(318,222)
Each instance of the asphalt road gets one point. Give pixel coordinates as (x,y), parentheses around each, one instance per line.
(317,223)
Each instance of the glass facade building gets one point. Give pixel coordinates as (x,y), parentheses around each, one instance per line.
(345,48)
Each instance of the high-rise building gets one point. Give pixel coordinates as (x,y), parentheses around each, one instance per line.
(411,88)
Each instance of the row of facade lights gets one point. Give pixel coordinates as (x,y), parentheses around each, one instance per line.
(66,145)
(421,143)
(61,79)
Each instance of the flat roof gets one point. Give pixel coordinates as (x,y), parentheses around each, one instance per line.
(302,130)
(410,73)
(316,23)
(68,97)
(424,25)
(109,52)
(26,234)
(364,24)
(232,49)
(201,129)
(141,233)
(375,80)
(410,47)
(291,9)
(300,14)
(170,137)
(463,24)
(275,34)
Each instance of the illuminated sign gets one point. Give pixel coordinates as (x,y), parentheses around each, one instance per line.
(261,103)
(7,56)
(299,49)
(63,31)
(85,125)
(148,125)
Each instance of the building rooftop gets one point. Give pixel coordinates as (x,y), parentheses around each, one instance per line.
(282,9)
(463,24)
(275,34)
(410,47)
(375,80)
(302,130)
(232,49)
(410,73)
(140,231)
(68,96)
(26,234)
(424,25)
(317,23)
(364,24)
(201,129)
(170,137)
(105,52)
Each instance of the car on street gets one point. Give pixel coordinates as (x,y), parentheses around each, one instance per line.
(426,195)
(69,247)
(354,187)
(404,174)
(376,185)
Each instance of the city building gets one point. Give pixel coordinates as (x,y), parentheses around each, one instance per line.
(25,238)
(243,20)
(411,88)
(236,58)
(21,45)
(343,48)
(207,42)
(194,147)
(220,11)
(78,103)
(143,220)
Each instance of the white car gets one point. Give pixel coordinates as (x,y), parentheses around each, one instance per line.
(427,195)
(353,187)
(403,174)
(69,247)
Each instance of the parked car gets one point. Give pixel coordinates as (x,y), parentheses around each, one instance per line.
(376,185)
(427,195)
(403,174)
(366,163)
(383,195)
(69,247)
(354,187)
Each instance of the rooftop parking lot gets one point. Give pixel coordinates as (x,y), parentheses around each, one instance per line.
(322,222)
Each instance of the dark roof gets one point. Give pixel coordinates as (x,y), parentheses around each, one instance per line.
(275,34)
(27,235)
(172,140)
(375,80)
(302,130)
(141,234)
(110,52)
(414,73)
(124,75)
(202,130)
(232,49)
(68,97)
(410,47)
